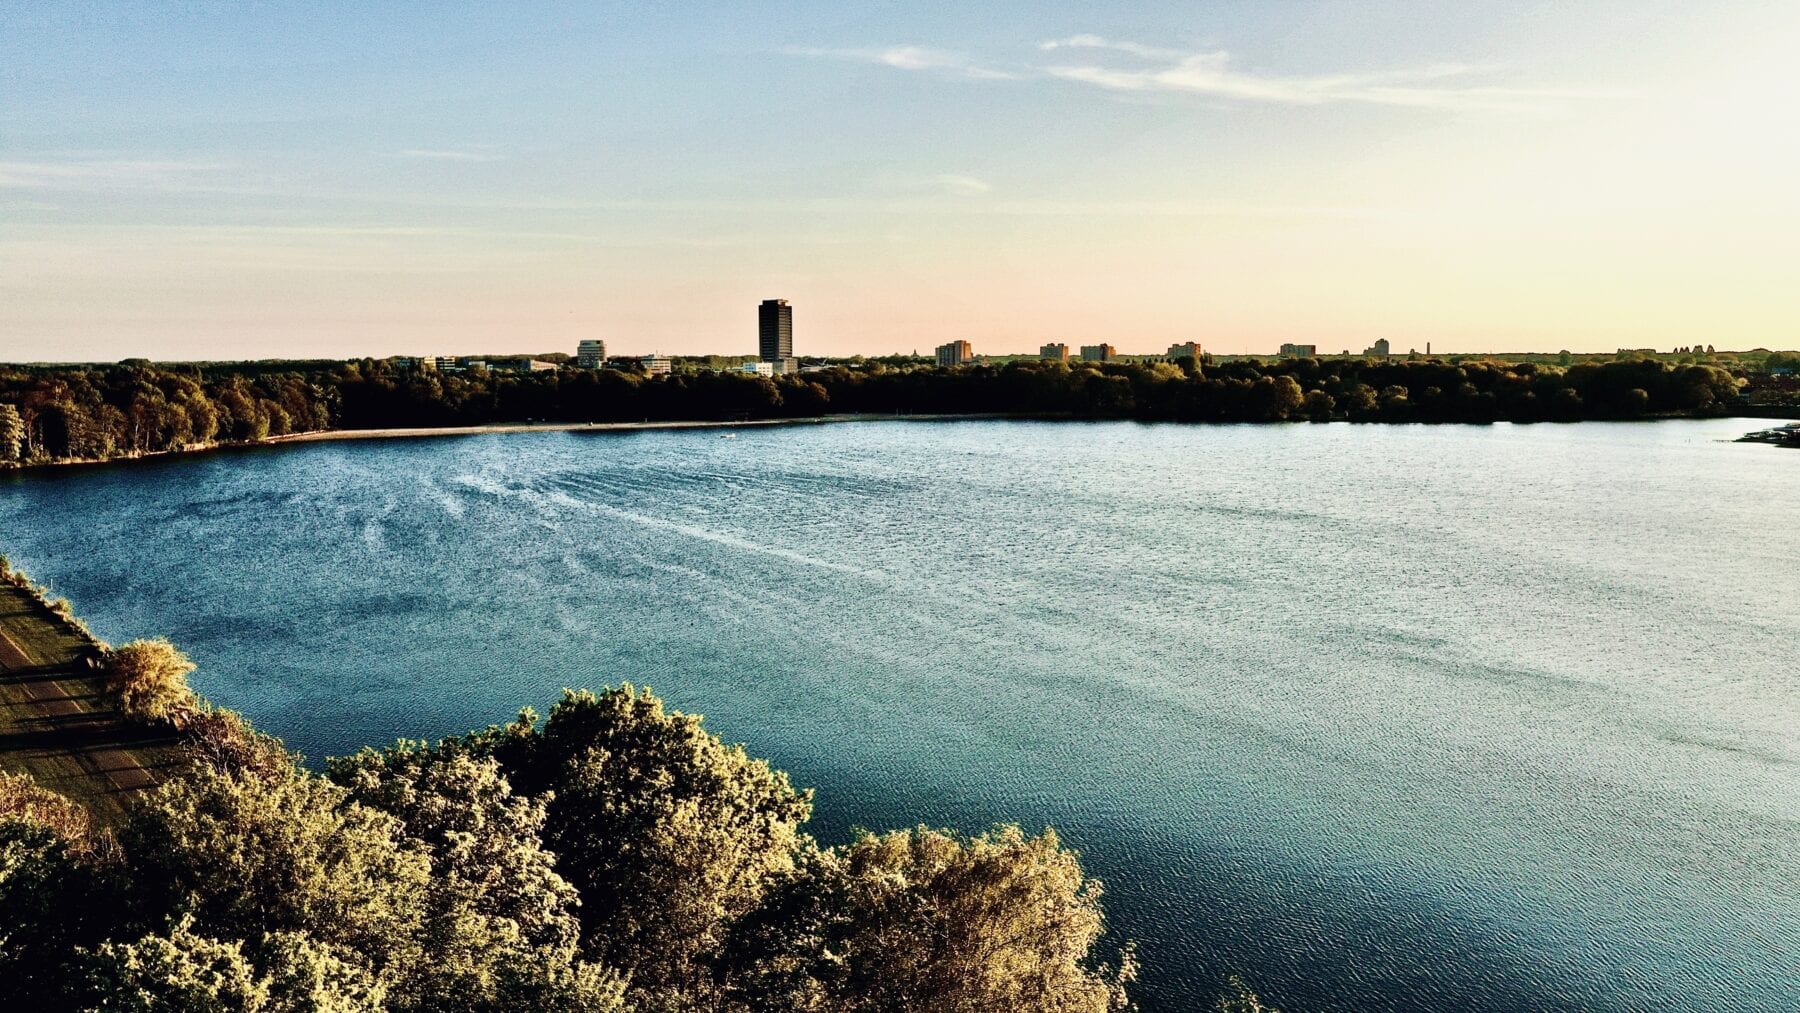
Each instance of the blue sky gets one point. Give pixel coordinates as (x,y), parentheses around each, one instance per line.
(227,180)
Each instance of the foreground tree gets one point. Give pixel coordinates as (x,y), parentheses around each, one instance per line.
(246,857)
(182,971)
(53,899)
(668,833)
(416,878)
(499,922)
(924,920)
(148,680)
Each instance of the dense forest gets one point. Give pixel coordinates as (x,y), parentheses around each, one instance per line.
(53,413)
(614,856)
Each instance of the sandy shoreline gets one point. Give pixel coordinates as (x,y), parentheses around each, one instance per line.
(328,435)
(406,433)
(598,427)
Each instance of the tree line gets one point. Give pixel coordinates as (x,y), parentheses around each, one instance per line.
(95,413)
(135,407)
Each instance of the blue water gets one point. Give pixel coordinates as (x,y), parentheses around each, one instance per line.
(1383,718)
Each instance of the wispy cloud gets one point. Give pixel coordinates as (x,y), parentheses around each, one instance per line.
(1134,67)
(80,174)
(476,154)
(1096,42)
(1437,86)
(963,186)
(916,58)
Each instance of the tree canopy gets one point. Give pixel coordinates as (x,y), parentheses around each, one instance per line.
(615,856)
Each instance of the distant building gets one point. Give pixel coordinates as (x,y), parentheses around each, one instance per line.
(775,331)
(1379,350)
(1291,351)
(657,365)
(590,354)
(439,362)
(1098,353)
(1187,350)
(423,365)
(955,353)
(785,367)
(757,368)
(532,366)
(1056,351)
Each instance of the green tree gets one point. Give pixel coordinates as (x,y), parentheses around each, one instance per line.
(500,922)
(12,433)
(1286,398)
(51,902)
(667,832)
(1318,405)
(929,921)
(247,856)
(175,972)
(179,970)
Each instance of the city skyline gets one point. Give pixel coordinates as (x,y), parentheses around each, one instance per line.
(191,182)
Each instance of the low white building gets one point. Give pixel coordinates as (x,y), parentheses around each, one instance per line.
(757,368)
(657,365)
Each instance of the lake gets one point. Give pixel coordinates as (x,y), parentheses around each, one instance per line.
(1382,717)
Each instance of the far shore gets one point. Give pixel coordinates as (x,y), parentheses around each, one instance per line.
(325,435)
(407,433)
(582,427)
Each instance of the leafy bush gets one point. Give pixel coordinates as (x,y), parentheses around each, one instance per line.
(148,680)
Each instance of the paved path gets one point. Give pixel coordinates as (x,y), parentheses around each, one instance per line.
(55,721)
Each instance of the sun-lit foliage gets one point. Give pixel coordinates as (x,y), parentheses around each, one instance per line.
(615,856)
(94,413)
(931,920)
(148,680)
(22,798)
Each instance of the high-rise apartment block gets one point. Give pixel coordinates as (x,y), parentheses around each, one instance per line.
(1186,350)
(1379,350)
(1056,351)
(955,353)
(774,330)
(1292,351)
(1098,353)
(590,354)
(775,336)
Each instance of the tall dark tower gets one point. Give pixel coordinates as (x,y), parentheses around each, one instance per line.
(775,330)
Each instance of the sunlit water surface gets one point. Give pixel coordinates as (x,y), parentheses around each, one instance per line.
(1410,718)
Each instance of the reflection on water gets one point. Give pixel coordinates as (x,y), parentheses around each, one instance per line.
(1382,717)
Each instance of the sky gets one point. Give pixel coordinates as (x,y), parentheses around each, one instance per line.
(325,179)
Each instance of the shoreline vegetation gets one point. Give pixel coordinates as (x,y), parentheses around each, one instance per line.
(613,856)
(84,415)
